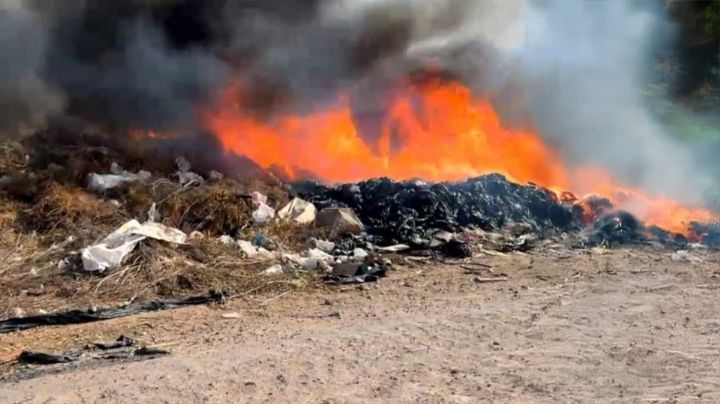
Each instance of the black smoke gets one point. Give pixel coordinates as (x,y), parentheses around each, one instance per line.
(150,64)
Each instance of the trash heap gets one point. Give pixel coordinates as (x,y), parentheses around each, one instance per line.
(412,212)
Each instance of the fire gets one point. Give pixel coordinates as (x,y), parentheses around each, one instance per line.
(435,131)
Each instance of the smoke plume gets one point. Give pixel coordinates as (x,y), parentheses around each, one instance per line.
(572,70)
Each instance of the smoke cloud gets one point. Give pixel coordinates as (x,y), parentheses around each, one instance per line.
(586,65)
(573,70)
(25,98)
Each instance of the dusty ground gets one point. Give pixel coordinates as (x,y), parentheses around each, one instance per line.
(625,326)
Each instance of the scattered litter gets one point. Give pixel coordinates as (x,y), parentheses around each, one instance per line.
(324,245)
(154,214)
(103,182)
(122,348)
(339,220)
(360,253)
(227,240)
(115,168)
(196,235)
(263,213)
(40,358)
(274,270)
(18,312)
(215,175)
(263,241)
(299,211)
(150,351)
(183,165)
(313,260)
(685,256)
(394,248)
(111,251)
(89,316)
(189,178)
(348,273)
(258,198)
(479,279)
(231,316)
(248,248)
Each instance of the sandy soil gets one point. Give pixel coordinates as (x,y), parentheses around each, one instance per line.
(581,326)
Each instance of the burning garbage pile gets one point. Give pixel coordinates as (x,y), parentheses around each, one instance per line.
(413,211)
(90,219)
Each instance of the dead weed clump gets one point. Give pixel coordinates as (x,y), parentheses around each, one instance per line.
(62,207)
(214,208)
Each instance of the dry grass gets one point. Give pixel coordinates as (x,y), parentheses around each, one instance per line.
(55,221)
(155,269)
(70,209)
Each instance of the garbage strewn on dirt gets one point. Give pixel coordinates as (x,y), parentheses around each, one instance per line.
(112,250)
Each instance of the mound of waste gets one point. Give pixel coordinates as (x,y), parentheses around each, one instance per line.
(409,212)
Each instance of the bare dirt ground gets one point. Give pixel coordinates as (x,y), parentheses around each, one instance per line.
(569,326)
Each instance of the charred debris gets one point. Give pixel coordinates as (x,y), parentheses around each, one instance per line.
(415,212)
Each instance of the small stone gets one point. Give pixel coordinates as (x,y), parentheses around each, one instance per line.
(18,312)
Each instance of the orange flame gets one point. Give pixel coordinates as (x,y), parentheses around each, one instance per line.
(435,131)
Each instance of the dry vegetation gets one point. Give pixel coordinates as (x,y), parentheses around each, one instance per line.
(48,216)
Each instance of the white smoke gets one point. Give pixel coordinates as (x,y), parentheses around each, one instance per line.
(585,65)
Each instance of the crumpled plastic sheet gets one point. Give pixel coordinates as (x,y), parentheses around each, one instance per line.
(112,250)
(86,316)
(103,182)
